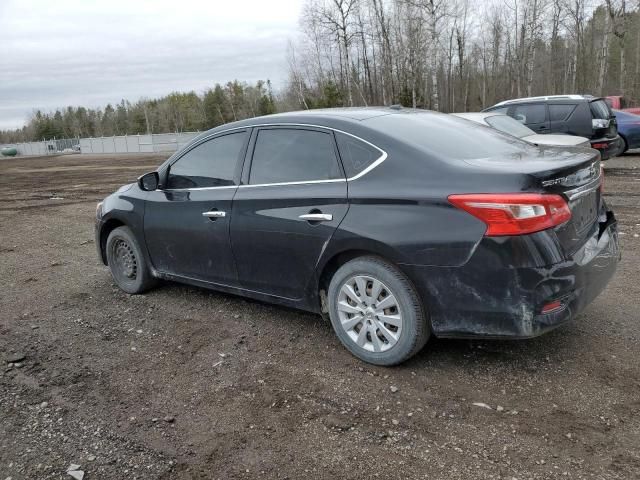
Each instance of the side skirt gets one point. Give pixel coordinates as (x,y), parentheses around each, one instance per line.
(299,304)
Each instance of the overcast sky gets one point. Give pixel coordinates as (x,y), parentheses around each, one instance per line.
(91,52)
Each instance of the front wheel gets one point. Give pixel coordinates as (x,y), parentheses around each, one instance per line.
(376,312)
(127,263)
(625,145)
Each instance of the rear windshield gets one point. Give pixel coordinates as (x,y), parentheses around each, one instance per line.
(448,136)
(600,109)
(509,125)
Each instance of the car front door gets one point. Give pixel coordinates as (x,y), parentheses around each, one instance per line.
(186,222)
(533,115)
(293,197)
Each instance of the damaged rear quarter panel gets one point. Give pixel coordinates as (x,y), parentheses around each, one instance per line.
(501,290)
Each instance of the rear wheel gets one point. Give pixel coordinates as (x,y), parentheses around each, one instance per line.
(127,263)
(376,313)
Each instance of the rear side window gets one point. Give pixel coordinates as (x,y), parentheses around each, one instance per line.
(293,155)
(210,164)
(355,154)
(560,112)
(528,114)
(599,109)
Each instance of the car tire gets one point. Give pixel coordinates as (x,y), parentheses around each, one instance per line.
(361,321)
(127,263)
(625,145)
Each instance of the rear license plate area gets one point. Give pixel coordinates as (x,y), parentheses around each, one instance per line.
(584,211)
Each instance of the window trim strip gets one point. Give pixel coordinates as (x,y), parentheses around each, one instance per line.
(301,182)
(378,161)
(197,188)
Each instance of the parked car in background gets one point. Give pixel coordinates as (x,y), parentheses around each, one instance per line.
(506,124)
(397,224)
(580,115)
(629,129)
(620,103)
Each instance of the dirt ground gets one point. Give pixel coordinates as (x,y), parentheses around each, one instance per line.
(184,383)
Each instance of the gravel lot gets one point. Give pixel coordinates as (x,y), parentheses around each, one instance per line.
(184,383)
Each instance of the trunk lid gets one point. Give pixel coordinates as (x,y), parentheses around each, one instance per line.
(558,140)
(571,172)
(579,184)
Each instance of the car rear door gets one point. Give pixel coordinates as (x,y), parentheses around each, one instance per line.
(533,115)
(292,198)
(559,114)
(186,223)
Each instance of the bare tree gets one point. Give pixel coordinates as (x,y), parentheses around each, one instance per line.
(295,73)
(617,10)
(337,16)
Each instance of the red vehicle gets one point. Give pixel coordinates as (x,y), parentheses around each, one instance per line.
(620,103)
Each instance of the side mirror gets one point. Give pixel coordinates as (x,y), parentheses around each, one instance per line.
(149,181)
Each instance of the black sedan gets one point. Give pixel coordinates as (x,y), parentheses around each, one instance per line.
(396,224)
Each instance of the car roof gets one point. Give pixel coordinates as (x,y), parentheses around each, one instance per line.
(355,121)
(547,98)
(352,113)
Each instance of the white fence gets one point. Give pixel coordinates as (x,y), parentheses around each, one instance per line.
(154,143)
(157,142)
(47,147)
(31,148)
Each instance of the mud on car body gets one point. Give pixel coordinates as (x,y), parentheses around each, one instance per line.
(397,224)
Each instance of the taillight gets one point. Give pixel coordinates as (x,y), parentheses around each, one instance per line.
(514,213)
(600,123)
(551,307)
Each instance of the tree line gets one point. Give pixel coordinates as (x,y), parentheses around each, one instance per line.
(463,55)
(445,55)
(176,112)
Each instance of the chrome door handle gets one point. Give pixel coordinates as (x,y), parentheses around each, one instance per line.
(214,214)
(317,217)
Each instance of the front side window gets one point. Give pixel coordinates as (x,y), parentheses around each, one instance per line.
(293,155)
(355,154)
(528,114)
(210,164)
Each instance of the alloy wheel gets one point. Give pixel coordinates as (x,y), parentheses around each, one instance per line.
(369,313)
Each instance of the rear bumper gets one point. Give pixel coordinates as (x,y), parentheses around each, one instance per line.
(608,147)
(500,292)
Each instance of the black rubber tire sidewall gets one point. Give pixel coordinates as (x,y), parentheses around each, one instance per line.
(415,326)
(144,280)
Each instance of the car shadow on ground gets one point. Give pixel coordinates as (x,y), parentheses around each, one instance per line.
(524,355)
